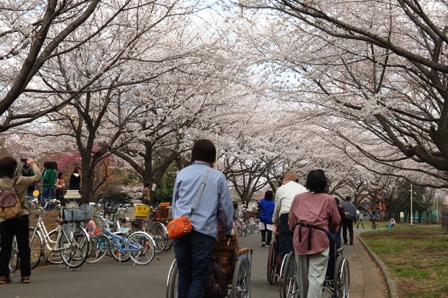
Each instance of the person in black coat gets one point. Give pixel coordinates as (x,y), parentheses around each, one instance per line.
(75,180)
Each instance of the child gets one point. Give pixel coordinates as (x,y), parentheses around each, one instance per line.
(361,219)
(391,223)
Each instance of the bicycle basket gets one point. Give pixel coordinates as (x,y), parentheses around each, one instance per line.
(83,212)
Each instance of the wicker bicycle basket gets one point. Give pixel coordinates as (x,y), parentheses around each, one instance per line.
(249,214)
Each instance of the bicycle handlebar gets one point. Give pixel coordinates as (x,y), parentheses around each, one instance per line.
(54,201)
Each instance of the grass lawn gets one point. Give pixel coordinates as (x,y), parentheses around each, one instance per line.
(416,257)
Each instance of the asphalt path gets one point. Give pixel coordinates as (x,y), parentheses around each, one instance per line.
(108,278)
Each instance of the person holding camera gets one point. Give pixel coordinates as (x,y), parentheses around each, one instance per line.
(28,172)
(18,226)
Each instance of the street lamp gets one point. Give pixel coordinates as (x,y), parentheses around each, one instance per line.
(437,208)
(411,215)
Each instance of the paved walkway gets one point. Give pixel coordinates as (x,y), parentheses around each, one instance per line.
(109,278)
(366,279)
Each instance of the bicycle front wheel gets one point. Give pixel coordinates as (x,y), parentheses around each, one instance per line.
(36,247)
(173,281)
(53,257)
(160,236)
(169,245)
(100,247)
(74,247)
(144,248)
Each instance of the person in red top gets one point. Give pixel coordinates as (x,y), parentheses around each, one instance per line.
(313,214)
(60,186)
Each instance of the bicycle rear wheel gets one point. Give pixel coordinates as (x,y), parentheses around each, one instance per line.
(75,247)
(100,247)
(36,247)
(145,248)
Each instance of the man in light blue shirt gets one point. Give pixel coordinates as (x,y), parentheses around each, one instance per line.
(194,250)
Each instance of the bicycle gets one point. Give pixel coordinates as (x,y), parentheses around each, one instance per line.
(251,225)
(68,243)
(158,230)
(139,246)
(241,228)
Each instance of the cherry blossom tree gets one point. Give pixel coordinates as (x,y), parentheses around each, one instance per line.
(379,66)
(36,34)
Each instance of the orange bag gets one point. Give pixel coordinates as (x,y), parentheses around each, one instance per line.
(178,227)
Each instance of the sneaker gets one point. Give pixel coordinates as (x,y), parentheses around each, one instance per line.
(25,279)
(351,242)
(263,244)
(5,280)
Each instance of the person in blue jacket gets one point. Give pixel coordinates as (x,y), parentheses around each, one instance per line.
(266,206)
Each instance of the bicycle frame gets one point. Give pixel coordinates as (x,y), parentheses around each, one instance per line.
(121,242)
(48,243)
(51,245)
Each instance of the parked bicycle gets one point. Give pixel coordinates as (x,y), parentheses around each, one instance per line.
(240,227)
(158,230)
(251,225)
(139,246)
(100,244)
(68,243)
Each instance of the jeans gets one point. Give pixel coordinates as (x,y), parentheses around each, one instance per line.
(193,254)
(47,193)
(17,226)
(29,197)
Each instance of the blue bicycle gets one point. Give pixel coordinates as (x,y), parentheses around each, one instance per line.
(139,246)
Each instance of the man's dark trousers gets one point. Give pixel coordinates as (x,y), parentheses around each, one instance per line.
(348,224)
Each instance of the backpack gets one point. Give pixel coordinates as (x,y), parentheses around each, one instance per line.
(10,205)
